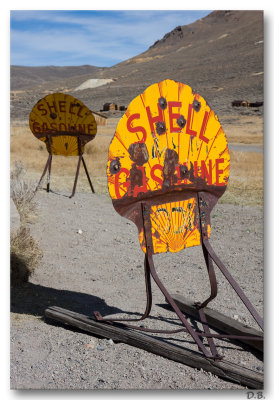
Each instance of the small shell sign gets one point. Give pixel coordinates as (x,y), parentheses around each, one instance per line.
(64,120)
(168,146)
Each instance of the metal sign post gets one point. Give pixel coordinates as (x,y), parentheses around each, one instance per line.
(168,166)
(65,124)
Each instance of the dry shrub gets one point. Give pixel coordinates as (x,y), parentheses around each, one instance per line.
(24,251)
(25,255)
(22,192)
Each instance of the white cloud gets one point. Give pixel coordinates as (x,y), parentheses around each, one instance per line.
(103,37)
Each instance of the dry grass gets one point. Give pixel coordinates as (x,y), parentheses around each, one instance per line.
(246,177)
(22,192)
(246,183)
(24,146)
(245,129)
(25,255)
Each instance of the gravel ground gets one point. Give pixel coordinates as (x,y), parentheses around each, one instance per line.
(93,261)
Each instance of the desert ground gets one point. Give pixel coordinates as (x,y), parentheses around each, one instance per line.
(92,260)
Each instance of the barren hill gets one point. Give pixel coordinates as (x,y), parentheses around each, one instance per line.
(28,77)
(220,56)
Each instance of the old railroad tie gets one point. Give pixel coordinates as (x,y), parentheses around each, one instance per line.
(223,369)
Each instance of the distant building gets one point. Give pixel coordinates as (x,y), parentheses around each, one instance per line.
(122,108)
(110,107)
(240,103)
(245,103)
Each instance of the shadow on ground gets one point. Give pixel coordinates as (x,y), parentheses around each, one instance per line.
(34,299)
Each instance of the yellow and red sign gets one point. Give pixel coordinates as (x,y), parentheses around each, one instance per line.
(169,140)
(64,119)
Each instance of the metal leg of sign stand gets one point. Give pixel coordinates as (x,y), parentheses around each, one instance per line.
(49,172)
(150,270)
(78,167)
(44,172)
(99,317)
(200,306)
(209,256)
(76,176)
(86,170)
(234,284)
(180,315)
(81,158)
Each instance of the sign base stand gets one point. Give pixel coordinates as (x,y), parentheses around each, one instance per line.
(48,168)
(200,307)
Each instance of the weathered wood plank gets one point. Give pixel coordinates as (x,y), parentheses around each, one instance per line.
(223,369)
(221,322)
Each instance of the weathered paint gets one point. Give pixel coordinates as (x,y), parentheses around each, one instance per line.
(57,114)
(174,226)
(168,140)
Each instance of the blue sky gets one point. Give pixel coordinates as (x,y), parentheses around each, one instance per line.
(101,38)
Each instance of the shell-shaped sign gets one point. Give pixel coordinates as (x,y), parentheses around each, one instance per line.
(168,146)
(61,121)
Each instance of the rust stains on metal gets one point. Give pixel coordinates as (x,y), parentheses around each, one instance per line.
(136,178)
(115,166)
(162,103)
(170,163)
(181,121)
(138,153)
(196,105)
(160,127)
(184,171)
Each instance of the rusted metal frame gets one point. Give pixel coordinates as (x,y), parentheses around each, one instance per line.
(180,315)
(220,265)
(99,317)
(78,167)
(63,133)
(44,172)
(213,286)
(49,172)
(234,285)
(147,269)
(213,294)
(150,270)
(210,340)
(49,169)
(212,277)
(48,162)
(85,167)
(169,299)
(147,265)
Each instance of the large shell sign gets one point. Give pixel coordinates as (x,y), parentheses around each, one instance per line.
(168,146)
(64,119)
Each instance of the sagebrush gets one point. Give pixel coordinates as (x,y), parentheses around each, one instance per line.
(25,255)
(22,192)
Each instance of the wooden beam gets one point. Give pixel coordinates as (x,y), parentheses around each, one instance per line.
(221,322)
(223,369)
